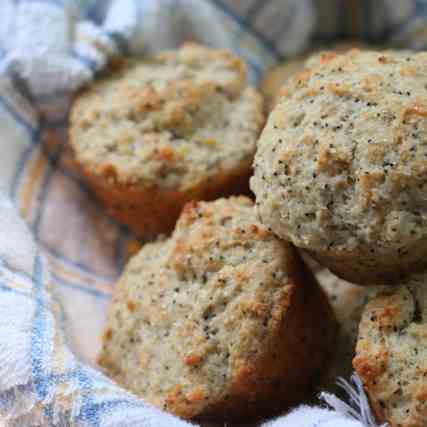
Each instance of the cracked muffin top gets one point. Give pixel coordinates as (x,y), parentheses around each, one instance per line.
(221,318)
(171,121)
(341,167)
(391,353)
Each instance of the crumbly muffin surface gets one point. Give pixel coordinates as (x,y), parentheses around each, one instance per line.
(172,121)
(219,319)
(276,77)
(342,163)
(391,353)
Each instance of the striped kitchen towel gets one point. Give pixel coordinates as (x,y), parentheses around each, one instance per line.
(60,253)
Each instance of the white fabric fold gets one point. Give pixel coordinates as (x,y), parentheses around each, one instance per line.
(48,50)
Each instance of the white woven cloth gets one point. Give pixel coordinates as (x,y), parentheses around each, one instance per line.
(60,253)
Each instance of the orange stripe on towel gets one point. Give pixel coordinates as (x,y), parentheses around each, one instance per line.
(78,277)
(31,184)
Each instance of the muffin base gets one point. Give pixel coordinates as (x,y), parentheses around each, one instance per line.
(360,267)
(152,211)
(285,373)
(303,347)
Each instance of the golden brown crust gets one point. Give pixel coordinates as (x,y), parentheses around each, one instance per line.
(272,85)
(226,321)
(261,387)
(153,211)
(154,134)
(391,353)
(341,164)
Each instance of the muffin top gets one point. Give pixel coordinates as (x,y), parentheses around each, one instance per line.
(342,162)
(276,77)
(193,314)
(170,121)
(391,354)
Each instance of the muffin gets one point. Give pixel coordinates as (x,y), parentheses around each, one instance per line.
(347,301)
(153,134)
(341,165)
(391,353)
(219,321)
(276,77)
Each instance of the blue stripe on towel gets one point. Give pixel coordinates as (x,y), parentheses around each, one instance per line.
(76,264)
(26,154)
(16,115)
(5,288)
(20,167)
(94,410)
(4,263)
(93,12)
(86,386)
(77,286)
(403,26)
(246,25)
(51,381)
(256,68)
(53,159)
(56,3)
(420,8)
(37,336)
(85,60)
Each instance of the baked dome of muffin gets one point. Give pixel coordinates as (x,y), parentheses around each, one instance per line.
(341,167)
(220,320)
(391,352)
(153,134)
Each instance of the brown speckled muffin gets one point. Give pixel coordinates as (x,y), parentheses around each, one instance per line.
(221,320)
(155,133)
(341,167)
(391,354)
(277,76)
